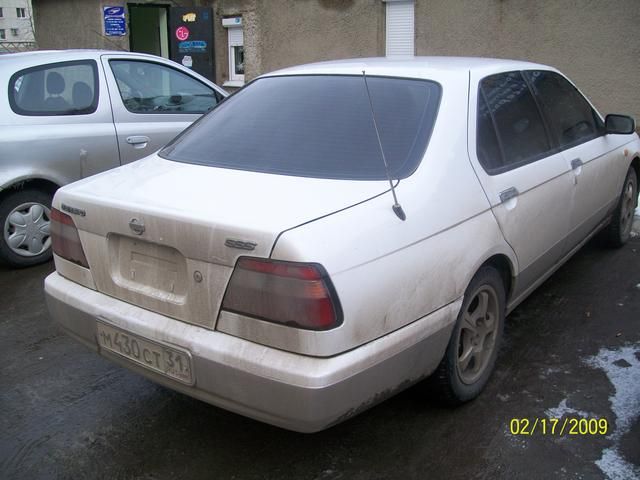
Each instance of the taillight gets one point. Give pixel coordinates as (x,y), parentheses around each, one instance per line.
(297,294)
(65,240)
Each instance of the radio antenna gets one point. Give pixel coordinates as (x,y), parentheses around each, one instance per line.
(397,208)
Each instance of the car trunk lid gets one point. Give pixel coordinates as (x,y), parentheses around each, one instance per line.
(165,235)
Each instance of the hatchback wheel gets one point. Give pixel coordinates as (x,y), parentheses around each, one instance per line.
(617,233)
(473,347)
(25,221)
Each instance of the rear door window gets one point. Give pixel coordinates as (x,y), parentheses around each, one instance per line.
(316,126)
(148,87)
(570,116)
(66,88)
(509,117)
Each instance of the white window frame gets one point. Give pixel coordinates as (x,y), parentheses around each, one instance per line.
(21,12)
(3,34)
(1,12)
(235,38)
(400,28)
(14,32)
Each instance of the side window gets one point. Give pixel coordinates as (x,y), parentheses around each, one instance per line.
(508,115)
(147,87)
(570,116)
(67,88)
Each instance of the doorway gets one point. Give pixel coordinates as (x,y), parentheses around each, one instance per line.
(148,29)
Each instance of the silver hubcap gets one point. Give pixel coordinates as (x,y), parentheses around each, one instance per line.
(26,229)
(628,206)
(477,337)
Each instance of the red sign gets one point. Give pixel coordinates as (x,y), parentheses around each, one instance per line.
(182,33)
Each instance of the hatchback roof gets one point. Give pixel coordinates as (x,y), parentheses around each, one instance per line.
(65,53)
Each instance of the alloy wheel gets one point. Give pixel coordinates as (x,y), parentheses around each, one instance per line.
(477,335)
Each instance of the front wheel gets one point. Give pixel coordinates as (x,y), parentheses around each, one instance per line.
(25,221)
(617,233)
(471,354)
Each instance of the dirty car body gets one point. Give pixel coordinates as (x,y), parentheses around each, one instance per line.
(256,262)
(66,115)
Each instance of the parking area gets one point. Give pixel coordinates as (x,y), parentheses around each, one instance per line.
(571,352)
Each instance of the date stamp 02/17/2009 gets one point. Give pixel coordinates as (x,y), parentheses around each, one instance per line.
(558,426)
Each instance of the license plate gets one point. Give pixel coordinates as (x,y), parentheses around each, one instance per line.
(160,358)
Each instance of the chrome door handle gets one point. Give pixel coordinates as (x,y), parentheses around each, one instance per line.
(508,194)
(576,163)
(137,139)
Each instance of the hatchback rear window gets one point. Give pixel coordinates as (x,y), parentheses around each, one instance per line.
(316,126)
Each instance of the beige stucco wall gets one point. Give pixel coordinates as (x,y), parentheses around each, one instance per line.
(281,33)
(594,42)
(62,24)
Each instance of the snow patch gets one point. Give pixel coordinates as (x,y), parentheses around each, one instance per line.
(614,466)
(625,404)
(564,410)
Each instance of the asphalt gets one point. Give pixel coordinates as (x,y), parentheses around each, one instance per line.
(571,351)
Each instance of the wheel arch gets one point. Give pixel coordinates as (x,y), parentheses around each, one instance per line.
(42,184)
(635,164)
(507,270)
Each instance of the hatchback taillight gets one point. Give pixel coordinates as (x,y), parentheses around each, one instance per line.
(65,239)
(297,294)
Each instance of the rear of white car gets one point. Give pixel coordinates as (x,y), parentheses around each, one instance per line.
(256,262)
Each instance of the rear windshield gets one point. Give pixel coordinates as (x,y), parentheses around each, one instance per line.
(315,126)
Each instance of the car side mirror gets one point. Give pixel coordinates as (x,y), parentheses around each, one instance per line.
(619,124)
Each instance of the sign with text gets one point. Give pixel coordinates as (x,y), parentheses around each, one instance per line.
(114,21)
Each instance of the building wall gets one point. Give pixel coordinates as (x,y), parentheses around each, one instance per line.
(10,20)
(62,24)
(282,33)
(595,43)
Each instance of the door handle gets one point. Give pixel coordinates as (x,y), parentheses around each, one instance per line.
(576,163)
(508,194)
(138,141)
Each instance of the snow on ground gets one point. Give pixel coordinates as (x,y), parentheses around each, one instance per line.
(622,367)
(564,410)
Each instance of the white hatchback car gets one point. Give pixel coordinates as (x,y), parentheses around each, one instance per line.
(261,262)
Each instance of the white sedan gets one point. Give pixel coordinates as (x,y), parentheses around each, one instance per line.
(336,232)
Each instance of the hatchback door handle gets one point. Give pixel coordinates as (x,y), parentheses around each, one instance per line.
(576,163)
(138,141)
(508,194)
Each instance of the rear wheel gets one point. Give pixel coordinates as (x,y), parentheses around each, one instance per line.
(617,233)
(25,221)
(473,347)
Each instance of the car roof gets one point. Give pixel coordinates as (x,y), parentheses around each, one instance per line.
(417,67)
(13,61)
(64,54)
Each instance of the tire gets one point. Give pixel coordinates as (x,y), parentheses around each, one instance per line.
(617,233)
(471,354)
(25,221)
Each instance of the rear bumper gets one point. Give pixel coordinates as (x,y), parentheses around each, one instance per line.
(289,390)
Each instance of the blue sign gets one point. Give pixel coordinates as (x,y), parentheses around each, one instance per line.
(114,22)
(192,46)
